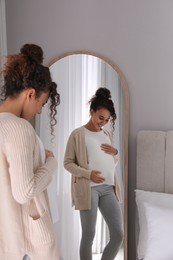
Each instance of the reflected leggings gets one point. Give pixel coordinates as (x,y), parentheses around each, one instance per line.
(104,198)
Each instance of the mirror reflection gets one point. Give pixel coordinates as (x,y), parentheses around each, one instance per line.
(78,76)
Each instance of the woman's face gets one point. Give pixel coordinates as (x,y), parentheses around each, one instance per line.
(99,118)
(34,105)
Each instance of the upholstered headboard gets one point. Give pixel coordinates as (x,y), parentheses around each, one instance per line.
(154,171)
(155,161)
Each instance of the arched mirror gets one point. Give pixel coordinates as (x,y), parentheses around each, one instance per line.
(78,75)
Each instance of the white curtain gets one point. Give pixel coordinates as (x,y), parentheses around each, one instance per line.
(3,37)
(78,77)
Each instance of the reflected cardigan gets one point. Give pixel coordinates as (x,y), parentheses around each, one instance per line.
(25,221)
(76,162)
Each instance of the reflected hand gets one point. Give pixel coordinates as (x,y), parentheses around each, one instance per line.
(97,177)
(49,153)
(107,148)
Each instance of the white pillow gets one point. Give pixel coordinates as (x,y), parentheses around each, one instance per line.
(159,244)
(154,198)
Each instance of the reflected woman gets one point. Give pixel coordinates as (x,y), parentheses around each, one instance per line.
(91,158)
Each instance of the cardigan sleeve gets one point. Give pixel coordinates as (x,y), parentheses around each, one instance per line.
(72,163)
(27,181)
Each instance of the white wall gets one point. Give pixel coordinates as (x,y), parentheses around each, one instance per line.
(136,35)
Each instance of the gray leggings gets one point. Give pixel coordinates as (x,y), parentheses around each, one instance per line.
(104,198)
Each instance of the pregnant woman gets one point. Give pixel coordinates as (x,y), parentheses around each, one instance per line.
(91,159)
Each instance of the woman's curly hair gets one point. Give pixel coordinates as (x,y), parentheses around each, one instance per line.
(25,70)
(103,99)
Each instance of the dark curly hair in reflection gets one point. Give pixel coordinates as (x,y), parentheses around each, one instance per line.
(103,99)
(25,70)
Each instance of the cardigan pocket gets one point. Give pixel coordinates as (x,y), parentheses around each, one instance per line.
(42,230)
(80,187)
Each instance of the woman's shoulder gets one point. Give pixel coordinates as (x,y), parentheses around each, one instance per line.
(76,134)
(77,131)
(109,133)
(12,123)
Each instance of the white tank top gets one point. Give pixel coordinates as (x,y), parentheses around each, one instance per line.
(98,159)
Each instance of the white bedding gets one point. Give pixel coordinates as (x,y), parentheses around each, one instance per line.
(155,214)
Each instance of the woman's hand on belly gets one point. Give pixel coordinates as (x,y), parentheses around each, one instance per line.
(107,148)
(97,177)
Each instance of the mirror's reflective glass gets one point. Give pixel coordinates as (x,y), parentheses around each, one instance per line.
(78,76)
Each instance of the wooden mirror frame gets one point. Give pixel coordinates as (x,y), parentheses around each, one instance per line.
(126,95)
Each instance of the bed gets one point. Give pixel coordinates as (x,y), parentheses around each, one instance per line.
(154,195)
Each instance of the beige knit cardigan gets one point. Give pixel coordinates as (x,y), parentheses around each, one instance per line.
(76,162)
(25,221)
